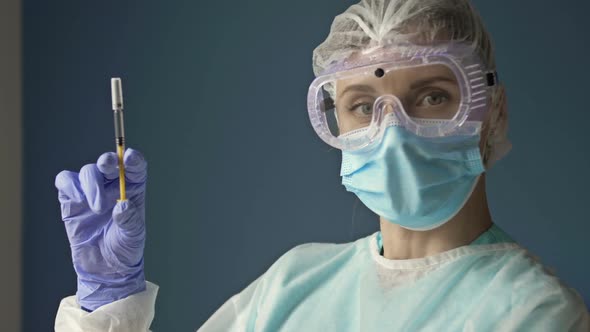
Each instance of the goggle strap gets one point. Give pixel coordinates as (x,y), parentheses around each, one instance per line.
(492,78)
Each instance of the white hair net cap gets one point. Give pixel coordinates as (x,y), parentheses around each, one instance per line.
(371,24)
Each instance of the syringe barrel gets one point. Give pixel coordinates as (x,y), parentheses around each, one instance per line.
(119,127)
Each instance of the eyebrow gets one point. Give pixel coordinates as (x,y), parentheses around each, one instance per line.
(430,80)
(413,86)
(358,87)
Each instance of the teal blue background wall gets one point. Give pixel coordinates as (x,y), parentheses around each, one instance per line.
(215,96)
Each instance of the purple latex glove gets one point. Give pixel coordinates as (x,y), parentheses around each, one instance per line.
(106,237)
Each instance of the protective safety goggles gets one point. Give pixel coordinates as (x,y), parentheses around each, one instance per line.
(430,91)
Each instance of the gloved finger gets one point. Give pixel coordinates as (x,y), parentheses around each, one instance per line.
(128,239)
(135,191)
(108,164)
(128,217)
(100,198)
(135,166)
(72,201)
(68,187)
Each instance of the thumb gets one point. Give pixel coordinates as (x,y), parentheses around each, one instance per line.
(126,236)
(129,219)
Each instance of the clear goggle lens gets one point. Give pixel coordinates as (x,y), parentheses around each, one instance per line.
(429,92)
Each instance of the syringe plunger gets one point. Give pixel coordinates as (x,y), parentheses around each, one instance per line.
(116,93)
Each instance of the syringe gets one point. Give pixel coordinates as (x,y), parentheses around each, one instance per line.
(117,97)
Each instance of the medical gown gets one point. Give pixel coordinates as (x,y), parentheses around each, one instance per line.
(493,284)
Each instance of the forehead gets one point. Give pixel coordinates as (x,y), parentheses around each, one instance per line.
(399,76)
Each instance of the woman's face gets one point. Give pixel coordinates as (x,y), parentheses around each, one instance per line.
(428,92)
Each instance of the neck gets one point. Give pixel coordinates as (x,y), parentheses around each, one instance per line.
(471,221)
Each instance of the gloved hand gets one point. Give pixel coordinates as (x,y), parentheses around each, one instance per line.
(106,237)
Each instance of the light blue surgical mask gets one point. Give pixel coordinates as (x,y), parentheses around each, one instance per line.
(416,182)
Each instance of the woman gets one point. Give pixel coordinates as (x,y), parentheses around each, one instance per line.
(408,91)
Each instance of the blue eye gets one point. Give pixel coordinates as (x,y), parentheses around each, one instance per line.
(363,109)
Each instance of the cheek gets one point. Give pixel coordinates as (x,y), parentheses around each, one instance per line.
(346,123)
(342,127)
